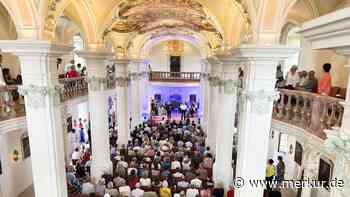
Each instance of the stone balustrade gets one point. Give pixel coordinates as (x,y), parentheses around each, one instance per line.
(73,87)
(11,103)
(175,76)
(312,112)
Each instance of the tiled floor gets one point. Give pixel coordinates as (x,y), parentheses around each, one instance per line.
(29,192)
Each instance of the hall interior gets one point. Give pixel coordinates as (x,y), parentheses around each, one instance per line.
(90,88)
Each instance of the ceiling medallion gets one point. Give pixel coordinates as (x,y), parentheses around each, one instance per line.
(146,15)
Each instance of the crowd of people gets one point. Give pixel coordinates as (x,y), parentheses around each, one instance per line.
(73,71)
(167,159)
(186,109)
(306,81)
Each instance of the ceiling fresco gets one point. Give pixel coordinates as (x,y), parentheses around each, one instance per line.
(142,16)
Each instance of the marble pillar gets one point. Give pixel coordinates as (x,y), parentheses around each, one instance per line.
(98,107)
(255,119)
(205,95)
(215,74)
(43,112)
(122,102)
(227,104)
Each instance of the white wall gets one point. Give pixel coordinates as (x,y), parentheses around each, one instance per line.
(17,176)
(160,59)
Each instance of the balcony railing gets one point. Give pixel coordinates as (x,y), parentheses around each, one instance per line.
(312,112)
(175,76)
(12,103)
(73,87)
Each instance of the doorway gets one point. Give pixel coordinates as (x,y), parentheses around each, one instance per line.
(175,63)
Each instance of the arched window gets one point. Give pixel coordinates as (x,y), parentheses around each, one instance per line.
(25,146)
(325,171)
(298,156)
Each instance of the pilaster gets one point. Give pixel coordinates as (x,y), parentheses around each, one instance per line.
(98,106)
(44,122)
(122,101)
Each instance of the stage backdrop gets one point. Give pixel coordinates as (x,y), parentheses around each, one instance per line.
(180,92)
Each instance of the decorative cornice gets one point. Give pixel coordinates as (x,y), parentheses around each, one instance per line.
(135,76)
(36,95)
(261,99)
(32,48)
(262,53)
(328,31)
(13,124)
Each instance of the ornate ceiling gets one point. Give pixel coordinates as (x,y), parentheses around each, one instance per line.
(146,15)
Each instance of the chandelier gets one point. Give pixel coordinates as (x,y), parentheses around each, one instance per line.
(175,47)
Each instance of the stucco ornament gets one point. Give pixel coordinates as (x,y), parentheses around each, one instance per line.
(338,141)
(97,83)
(230,86)
(261,100)
(214,81)
(122,81)
(36,95)
(134,76)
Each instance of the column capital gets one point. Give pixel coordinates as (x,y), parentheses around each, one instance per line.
(31,48)
(36,95)
(260,99)
(263,53)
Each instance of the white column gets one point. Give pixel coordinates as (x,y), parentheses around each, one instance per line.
(205,95)
(215,74)
(134,92)
(145,101)
(43,113)
(98,106)
(225,128)
(122,102)
(255,118)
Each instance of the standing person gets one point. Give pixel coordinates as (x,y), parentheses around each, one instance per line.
(72,73)
(183,109)
(292,78)
(153,107)
(311,83)
(279,76)
(325,83)
(2,78)
(270,174)
(168,109)
(280,169)
(76,156)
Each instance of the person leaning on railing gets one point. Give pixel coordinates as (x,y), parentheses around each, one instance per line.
(310,84)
